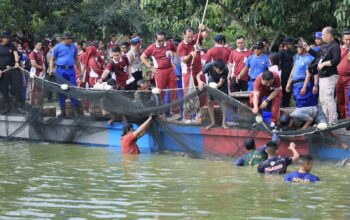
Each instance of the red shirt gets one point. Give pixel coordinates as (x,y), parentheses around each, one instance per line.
(120,70)
(184,49)
(94,66)
(238,58)
(38,57)
(266,90)
(344,65)
(129,145)
(161,56)
(218,52)
(101,57)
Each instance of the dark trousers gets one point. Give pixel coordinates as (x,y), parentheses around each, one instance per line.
(138,76)
(12,82)
(286,96)
(240,86)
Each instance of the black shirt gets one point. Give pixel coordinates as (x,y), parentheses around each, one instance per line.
(286,59)
(215,77)
(7,58)
(329,52)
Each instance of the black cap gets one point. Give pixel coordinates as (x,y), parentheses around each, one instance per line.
(259,45)
(67,35)
(346,32)
(288,40)
(6,34)
(249,144)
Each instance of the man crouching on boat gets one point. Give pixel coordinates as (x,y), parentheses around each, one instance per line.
(267,84)
(129,136)
(218,73)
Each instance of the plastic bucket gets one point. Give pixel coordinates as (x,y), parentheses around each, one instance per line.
(267,116)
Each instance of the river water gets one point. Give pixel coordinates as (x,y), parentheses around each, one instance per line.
(51,181)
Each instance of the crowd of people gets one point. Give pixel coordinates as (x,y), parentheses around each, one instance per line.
(312,76)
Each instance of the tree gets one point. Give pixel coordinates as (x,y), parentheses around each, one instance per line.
(271,18)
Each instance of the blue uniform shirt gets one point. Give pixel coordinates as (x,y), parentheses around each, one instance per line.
(297,177)
(301,63)
(65,54)
(257,65)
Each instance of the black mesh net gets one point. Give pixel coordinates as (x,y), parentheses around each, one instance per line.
(100,105)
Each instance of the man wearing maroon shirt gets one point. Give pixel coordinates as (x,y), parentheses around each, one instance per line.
(237,63)
(113,44)
(219,51)
(38,66)
(163,70)
(268,85)
(342,87)
(191,64)
(119,68)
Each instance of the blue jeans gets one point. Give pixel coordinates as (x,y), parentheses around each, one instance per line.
(303,100)
(66,76)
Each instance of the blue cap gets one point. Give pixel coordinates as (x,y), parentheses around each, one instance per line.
(218,38)
(318,35)
(135,40)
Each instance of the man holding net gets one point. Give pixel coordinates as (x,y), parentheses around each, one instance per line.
(267,89)
(218,73)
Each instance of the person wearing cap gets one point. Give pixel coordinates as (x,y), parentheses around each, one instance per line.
(254,157)
(276,164)
(267,89)
(318,41)
(286,62)
(256,64)
(300,79)
(237,60)
(10,80)
(327,72)
(342,88)
(303,175)
(134,56)
(302,118)
(163,69)
(219,51)
(130,136)
(65,56)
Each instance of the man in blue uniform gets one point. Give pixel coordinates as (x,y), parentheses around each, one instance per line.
(303,175)
(65,56)
(301,79)
(318,41)
(257,63)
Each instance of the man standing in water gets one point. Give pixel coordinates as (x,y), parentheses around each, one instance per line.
(303,175)
(129,136)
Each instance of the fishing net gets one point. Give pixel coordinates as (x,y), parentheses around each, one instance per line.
(187,135)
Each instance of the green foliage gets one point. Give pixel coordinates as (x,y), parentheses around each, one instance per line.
(342,14)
